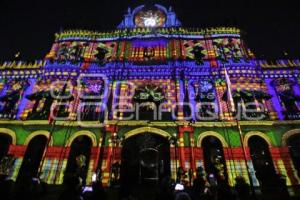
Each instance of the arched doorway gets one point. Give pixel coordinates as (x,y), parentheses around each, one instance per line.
(293,143)
(5,142)
(262,160)
(33,156)
(145,161)
(79,158)
(214,160)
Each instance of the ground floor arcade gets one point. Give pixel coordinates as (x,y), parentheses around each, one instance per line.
(138,147)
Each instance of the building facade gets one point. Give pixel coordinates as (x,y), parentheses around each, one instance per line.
(148,98)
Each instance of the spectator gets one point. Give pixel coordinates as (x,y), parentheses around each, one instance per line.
(284,193)
(72,190)
(98,191)
(242,188)
(6,186)
(224,191)
(182,196)
(201,189)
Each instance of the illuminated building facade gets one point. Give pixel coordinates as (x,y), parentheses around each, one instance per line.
(151,96)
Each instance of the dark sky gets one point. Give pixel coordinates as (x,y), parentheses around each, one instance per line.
(29,26)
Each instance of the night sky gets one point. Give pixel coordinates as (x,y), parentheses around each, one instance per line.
(270,28)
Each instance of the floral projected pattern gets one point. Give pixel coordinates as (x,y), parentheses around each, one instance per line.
(150,18)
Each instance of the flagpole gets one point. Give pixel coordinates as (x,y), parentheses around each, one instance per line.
(46,147)
(228,83)
(51,130)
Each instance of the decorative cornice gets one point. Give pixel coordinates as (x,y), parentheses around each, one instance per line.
(279,64)
(150,123)
(20,65)
(144,32)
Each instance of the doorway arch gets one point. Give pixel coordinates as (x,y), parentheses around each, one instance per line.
(5,142)
(256,133)
(147,129)
(214,159)
(11,133)
(33,156)
(261,159)
(291,139)
(79,157)
(214,134)
(145,160)
(7,138)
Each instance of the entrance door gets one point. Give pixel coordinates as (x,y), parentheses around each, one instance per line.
(5,142)
(294,147)
(149,165)
(145,160)
(79,157)
(262,161)
(32,158)
(214,160)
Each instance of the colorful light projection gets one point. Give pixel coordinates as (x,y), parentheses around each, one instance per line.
(228,49)
(91,99)
(287,97)
(135,46)
(204,95)
(150,18)
(148,50)
(128,90)
(195,50)
(100,52)
(44,94)
(10,98)
(172,32)
(169,65)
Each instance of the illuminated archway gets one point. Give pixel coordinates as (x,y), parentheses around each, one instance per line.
(37,133)
(89,134)
(261,159)
(256,133)
(211,133)
(79,157)
(11,133)
(7,138)
(33,156)
(145,157)
(289,134)
(291,139)
(213,157)
(147,130)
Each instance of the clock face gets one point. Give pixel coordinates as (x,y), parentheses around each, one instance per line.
(150,18)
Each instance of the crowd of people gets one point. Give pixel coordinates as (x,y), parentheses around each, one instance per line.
(202,188)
